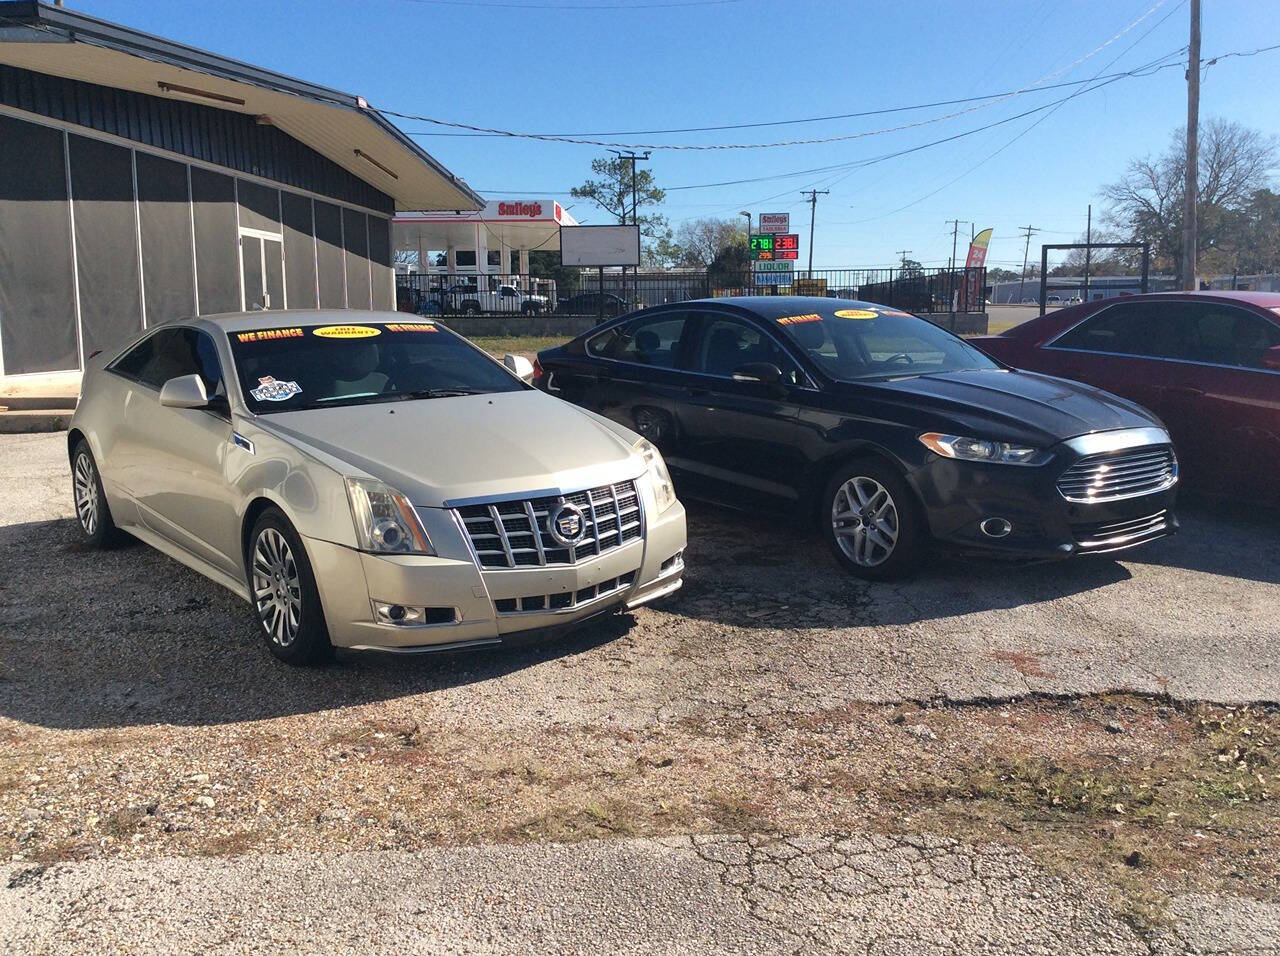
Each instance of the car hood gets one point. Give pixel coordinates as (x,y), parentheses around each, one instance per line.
(1024,406)
(442,450)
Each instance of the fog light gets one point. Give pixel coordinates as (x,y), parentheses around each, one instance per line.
(399,614)
(995,527)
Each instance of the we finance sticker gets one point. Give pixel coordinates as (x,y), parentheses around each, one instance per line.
(268,335)
(410,327)
(800,319)
(346,331)
(856,314)
(270,389)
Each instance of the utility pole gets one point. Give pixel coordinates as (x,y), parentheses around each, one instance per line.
(1189,236)
(951,270)
(635,219)
(813,195)
(1088,249)
(902,257)
(1022,280)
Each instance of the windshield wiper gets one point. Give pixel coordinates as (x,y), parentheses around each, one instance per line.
(439,392)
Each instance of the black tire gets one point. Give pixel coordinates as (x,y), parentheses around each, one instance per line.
(279,579)
(529,308)
(93,514)
(471,308)
(861,550)
(653,424)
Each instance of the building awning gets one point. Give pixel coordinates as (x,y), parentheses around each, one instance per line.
(342,127)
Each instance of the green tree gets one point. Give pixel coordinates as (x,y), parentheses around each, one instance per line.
(730,268)
(546,264)
(701,241)
(610,189)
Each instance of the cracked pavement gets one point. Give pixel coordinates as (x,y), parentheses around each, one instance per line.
(143,671)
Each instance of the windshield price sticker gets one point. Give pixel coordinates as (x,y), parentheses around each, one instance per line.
(415,327)
(857,314)
(800,319)
(346,331)
(268,335)
(271,390)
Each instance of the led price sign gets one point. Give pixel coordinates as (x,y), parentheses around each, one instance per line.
(765,248)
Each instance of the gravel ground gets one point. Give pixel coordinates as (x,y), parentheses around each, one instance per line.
(171,772)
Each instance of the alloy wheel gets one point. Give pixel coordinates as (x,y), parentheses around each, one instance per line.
(865,521)
(277,589)
(85,485)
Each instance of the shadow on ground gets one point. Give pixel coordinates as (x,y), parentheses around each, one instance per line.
(127,637)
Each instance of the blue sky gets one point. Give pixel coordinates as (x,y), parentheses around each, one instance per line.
(645,67)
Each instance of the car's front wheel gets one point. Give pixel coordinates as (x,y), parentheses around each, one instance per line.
(283,589)
(871,520)
(92,511)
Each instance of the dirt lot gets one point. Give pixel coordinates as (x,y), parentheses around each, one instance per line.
(1079,757)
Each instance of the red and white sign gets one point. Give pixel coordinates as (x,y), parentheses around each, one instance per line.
(775,223)
(520,210)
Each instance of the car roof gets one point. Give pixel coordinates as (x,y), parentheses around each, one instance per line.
(774,307)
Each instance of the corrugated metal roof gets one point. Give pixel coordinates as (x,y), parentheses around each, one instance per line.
(340,126)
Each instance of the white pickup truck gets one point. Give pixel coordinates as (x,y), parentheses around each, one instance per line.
(507,298)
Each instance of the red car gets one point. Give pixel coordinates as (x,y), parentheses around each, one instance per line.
(1207,363)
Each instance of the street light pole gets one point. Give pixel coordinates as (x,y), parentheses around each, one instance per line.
(1190,226)
(748,215)
(813,195)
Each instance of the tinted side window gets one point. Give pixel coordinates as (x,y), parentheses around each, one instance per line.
(1228,336)
(1152,330)
(654,340)
(172,353)
(728,343)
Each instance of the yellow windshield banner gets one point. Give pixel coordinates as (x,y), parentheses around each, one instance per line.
(346,331)
(268,335)
(799,319)
(856,314)
(409,327)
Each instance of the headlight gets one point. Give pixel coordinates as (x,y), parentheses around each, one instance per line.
(980,449)
(663,491)
(385,521)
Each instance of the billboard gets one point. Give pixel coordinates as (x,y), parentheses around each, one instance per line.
(775,222)
(600,245)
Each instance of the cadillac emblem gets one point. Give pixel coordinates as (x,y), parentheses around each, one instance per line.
(566,524)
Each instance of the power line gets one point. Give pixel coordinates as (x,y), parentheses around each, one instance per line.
(554,138)
(580,8)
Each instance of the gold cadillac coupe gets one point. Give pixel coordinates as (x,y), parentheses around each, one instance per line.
(370,483)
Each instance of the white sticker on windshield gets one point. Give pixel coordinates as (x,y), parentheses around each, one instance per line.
(270,390)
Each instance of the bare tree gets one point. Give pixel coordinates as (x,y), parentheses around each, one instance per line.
(702,240)
(1146,202)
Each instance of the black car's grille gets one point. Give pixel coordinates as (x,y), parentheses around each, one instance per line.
(1123,474)
(514,534)
(1108,535)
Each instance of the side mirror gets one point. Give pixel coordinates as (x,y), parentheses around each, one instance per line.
(186,391)
(763,373)
(1271,358)
(519,366)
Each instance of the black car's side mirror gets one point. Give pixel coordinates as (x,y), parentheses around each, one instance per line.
(763,373)
(1271,358)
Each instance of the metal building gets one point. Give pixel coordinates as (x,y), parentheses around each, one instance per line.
(143,180)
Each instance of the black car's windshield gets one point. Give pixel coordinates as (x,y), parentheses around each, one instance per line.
(856,341)
(286,368)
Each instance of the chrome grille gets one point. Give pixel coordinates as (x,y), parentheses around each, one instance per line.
(1113,534)
(514,534)
(1123,474)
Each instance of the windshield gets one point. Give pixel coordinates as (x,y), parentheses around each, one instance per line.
(857,341)
(287,368)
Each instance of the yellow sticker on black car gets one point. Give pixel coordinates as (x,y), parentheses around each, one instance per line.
(346,331)
(410,327)
(800,319)
(856,314)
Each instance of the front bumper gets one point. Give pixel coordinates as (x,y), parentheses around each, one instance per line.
(959,496)
(474,608)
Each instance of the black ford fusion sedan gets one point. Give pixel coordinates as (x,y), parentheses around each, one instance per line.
(895,432)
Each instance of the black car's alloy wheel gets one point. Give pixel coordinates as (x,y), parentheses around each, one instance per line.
(871,520)
(283,589)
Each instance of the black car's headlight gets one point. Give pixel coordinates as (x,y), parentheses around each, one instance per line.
(981,449)
(385,520)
